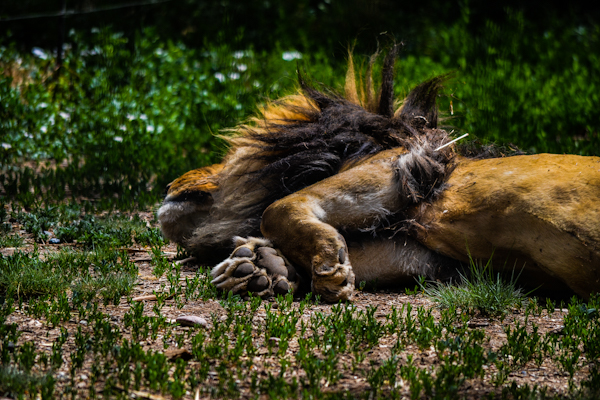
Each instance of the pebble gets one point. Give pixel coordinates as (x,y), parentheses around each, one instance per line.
(54,241)
(83,322)
(146,297)
(191,320)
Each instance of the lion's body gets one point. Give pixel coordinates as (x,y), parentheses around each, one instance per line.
(350,189)
(540,212)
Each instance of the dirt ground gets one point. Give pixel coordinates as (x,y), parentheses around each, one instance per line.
(547,375)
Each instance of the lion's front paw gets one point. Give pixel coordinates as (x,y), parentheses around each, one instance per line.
(333,279)
(255,266)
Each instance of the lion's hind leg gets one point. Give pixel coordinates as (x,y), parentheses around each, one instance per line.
(255,266)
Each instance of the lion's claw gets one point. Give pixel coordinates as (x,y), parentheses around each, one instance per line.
(255,266)
(334,283)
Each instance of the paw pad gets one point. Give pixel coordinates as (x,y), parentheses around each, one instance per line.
(255,266)
(244,269)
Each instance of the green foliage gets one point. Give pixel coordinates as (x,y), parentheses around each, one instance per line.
(538,90)
(126,115)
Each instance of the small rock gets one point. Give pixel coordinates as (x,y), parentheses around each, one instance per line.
(83,322)
(54,241)
(149,297)
(557,330)
(191,320)
(477,323)
(174,354)
(34,323)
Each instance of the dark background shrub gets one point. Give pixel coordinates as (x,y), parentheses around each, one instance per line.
(138,90)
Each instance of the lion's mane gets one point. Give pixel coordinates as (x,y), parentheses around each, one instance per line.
(304,138)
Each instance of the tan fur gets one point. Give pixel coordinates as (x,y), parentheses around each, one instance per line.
(197,180)
(540,211)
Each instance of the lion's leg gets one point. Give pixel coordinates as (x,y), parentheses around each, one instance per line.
(397,261)
(255,266)
(304,225)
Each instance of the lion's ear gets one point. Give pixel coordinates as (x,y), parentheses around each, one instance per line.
(386,91)
(421,103)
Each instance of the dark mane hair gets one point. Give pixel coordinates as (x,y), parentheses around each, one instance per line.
(319,140)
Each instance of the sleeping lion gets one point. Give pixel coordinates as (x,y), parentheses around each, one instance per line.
(336,190)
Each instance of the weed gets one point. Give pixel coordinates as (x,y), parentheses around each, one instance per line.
(150,237)
(161,264)
(421,280)
(39,222)
(481,290)
(16,383)
(13,240)
(25,275)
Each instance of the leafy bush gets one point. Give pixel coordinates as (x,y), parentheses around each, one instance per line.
(125,118)
(538,91)
(122,117)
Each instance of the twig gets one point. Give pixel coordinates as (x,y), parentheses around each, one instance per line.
(452,141)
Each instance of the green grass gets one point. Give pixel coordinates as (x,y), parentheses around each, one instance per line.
(13,240)
(26,275)
(480,289)
(99,267)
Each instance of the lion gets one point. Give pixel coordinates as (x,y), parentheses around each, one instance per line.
(333,190)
